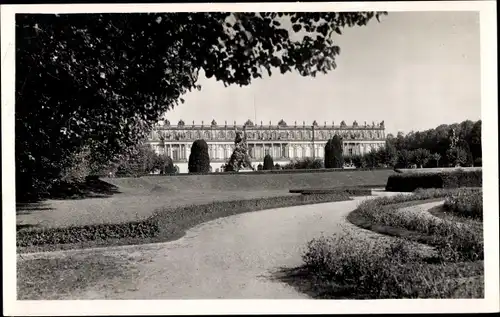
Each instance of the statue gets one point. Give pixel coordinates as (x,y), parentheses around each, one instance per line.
(239,159)
(382,124)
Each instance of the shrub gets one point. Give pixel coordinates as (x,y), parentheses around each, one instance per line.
(359,161)
(333,153)
(259,167)
(351,191)
(268,162)
(305,163)
(348,267)
(466,203)
(164,164)
(199,160)
(453,240)
(277,166)
(408,182)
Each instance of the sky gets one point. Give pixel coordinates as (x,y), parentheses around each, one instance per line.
(414,70)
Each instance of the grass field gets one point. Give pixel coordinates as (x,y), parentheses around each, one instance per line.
(138,198)
(251,182)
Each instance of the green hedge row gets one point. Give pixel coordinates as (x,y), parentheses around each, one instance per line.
(355,191)
(285,171)
(408,182)
(168,222)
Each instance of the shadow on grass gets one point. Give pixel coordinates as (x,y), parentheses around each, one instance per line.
(92,187)
(306,282)
(25,226)
(27,208)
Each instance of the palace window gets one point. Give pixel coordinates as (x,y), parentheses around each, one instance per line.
(350,152)
(175,154)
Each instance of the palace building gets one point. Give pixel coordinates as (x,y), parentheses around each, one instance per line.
(284,142)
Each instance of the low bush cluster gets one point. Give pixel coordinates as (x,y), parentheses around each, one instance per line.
(454,241)
(408,182)
(305,164)
(351,191)
(100,232)
(357,268)
(167,223)
(466,202)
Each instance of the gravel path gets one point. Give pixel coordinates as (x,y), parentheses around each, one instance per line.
(231,258)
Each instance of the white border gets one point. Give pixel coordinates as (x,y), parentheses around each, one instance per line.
(489,98)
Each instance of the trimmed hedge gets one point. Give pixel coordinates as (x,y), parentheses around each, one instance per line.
(167,223)
(408,182)
(274,171)
(351,191)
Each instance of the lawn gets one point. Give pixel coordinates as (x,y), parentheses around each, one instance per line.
(138,198)
(161,208)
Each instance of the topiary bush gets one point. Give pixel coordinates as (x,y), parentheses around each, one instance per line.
(268,163)
(199,160)
(333,153)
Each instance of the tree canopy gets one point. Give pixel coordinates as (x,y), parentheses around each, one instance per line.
(100,81)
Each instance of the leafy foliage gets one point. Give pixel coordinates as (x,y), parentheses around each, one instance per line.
(457,156)
(305,163)
(421,157)
(438,141)
(69,97)
(199,161)
(139,160)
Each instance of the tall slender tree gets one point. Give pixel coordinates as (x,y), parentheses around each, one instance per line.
(199,160)
(334,157)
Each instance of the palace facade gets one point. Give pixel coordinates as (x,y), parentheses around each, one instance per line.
(284,142)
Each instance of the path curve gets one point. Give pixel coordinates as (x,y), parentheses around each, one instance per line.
(231,258)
